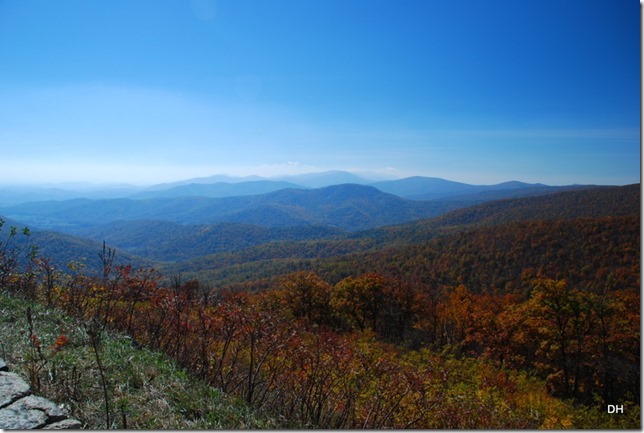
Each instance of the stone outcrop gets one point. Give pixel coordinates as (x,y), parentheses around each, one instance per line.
(12,388)
(19,410)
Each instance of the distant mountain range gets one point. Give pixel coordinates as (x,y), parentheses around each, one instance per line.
(291,201)
(414,188)
(349,207)
(218,189)
(431,188)
(327,178)
(288,223)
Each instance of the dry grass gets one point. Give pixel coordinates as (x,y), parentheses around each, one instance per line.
(146,390)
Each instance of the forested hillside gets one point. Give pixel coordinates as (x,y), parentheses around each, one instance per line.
(519,313)
(167,241)
(588,252)
(587,202)
(413,248)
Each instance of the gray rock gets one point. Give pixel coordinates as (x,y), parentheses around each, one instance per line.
(3,365)
(17,420)
(65,424)
(30,412)
(19,410)
(12,388)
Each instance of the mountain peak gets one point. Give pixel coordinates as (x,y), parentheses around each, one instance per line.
(324,178)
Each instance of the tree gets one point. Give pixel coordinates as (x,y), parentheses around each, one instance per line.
(457,315)
(50,277)
(564,319)
(13,253)
(360,301)
(308,296)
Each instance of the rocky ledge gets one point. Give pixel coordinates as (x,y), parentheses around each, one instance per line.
(19,410)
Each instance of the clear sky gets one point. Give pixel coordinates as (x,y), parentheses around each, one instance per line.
(145,91)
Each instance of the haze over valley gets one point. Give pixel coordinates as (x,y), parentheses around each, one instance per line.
(198,217)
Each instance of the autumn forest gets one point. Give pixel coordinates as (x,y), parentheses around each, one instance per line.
(512,313)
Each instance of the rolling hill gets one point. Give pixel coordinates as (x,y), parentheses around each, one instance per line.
(572,216)
(218,189)
(348,207)
(576,203)
(416,188)
(63,249)
(238,248)
(434,188)
(168,241)
(589,252)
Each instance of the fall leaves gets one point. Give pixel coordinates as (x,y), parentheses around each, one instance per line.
(374,352)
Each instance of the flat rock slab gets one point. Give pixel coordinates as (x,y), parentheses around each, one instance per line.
(29,413)
(19,410)
(12,388)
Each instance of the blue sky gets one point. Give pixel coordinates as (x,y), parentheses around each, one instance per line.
(477,91)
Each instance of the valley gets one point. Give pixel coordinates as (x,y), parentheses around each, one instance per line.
(207,208)
(294,229)
(330,284)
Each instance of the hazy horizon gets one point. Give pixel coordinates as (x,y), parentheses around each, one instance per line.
(152,92)
(368,177)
